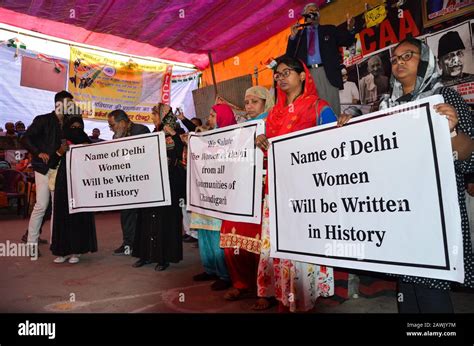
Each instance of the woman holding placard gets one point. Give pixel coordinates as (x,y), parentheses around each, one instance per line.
(158,235)
(241,240)
(73,234)
(296,285)
(415,76)
(212,256)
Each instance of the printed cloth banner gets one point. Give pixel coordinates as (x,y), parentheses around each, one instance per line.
(225,170)
(124,173)
(378,194)
(103,83)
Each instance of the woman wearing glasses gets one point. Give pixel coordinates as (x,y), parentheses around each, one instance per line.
(296,285)
(415,76)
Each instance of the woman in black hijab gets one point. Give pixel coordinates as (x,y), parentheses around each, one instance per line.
(158,236)
(73,234)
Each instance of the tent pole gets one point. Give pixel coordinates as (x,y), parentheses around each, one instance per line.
(213,73)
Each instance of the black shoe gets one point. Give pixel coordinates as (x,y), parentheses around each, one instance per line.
(140,263)
(189,239)
(160,267)
(124,250)
(220,285)
(205,277)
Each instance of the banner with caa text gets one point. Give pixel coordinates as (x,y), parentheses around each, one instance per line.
(224,175)
(378,194)
(105,82)
(125,173)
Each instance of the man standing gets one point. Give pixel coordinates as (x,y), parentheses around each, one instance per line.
(318,46)
(111,121)
(451,59)
(122,126)
(42,140)
(95,136)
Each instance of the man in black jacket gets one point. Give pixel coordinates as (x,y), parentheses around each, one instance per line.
(318,47)
(123,127)
(42,140)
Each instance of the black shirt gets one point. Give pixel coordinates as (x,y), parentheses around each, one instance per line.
(42,136)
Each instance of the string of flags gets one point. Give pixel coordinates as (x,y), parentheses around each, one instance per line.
(58,67)
(14,43)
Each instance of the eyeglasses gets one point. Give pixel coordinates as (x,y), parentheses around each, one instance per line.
(283,74)
(452,55)
(405,57)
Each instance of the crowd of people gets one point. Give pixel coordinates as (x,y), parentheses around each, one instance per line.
(235,256)
(13,130)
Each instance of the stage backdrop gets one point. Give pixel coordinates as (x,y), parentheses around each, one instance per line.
(378,194)
(125,173)
(224,175)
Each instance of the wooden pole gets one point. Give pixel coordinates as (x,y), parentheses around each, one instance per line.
(213,73)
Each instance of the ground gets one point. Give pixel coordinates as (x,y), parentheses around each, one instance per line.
(102,282)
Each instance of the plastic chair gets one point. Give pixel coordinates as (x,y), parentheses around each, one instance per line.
(5,165)
(15,185)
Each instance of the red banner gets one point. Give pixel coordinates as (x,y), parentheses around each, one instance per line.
(166,88)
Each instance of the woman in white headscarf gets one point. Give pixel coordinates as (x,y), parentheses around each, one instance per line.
(242,241)
(258,102)
(415,76)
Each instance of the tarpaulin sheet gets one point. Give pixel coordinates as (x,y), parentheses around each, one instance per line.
(181,31)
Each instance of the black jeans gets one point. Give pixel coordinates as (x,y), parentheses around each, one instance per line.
(128,219)
(416,298)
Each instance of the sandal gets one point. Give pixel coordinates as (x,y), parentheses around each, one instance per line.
(264,304)
(236,294)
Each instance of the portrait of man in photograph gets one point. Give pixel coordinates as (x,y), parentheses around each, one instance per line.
(375,83)
(451,52)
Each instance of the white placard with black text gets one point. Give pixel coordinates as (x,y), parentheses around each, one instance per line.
(124,173)
(224,176)
(378,194)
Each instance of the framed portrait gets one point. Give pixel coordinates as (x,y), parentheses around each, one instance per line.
(374,76)
(437,11)
(454,53)
(455,58)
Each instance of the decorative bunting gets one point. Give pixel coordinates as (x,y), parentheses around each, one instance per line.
(58,67)
(14,43)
